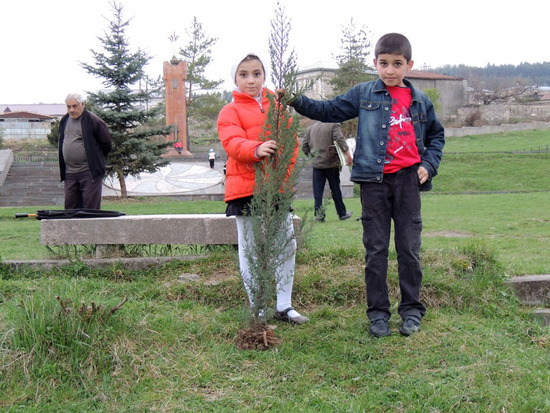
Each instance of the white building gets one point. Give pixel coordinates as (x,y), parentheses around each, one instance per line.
(25,125)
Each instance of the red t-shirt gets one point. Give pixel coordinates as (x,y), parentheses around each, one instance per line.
(401,151)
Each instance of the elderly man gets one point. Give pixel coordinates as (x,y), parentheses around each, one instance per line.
(84,142)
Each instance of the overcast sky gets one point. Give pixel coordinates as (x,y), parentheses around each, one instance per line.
(44,41)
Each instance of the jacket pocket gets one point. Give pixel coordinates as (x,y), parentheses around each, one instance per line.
(369,105)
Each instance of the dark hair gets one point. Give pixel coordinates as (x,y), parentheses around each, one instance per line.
(393,43)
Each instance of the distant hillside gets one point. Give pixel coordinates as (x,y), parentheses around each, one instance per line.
(539,73)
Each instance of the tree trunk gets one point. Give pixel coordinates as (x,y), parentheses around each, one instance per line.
(122,182)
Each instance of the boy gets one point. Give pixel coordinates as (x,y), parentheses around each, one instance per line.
(399,148)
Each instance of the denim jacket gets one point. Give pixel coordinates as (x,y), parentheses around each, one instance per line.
(372,103)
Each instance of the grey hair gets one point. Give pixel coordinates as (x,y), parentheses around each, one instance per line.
(76,96)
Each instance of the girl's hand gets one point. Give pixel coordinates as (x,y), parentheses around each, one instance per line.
(266,149)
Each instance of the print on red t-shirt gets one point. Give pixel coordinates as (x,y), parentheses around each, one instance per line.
(401,151)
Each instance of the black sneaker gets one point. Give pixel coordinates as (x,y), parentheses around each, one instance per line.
(380,327)
(410,325)
(346,216)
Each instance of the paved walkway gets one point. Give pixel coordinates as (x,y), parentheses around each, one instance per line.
(177,178)
(188,179)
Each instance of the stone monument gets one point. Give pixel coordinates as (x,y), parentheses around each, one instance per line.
(175,73)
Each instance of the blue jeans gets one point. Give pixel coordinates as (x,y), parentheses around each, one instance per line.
(320,176)
(397,197)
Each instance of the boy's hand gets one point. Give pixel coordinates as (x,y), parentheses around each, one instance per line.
(280,94)
(349,159)
(281,97)
(423,174)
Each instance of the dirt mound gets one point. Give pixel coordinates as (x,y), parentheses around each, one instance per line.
(258,337)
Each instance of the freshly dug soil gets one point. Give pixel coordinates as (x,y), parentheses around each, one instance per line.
(258,337)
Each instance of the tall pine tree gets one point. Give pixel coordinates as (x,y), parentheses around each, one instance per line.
(196,55)
(134,123)
(353,66)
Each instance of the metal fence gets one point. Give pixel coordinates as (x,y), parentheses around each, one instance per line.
(42,156)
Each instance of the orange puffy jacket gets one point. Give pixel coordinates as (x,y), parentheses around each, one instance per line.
(240,125)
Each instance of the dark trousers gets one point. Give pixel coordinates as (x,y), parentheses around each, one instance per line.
(82,192)
(397,198)
(320,176)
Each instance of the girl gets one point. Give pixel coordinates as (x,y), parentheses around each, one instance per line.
(239,128)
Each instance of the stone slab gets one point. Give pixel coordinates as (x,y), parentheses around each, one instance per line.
(188,229)
(544,315)
(532,289)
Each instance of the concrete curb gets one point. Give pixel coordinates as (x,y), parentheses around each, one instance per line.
(138,263)
(532,289)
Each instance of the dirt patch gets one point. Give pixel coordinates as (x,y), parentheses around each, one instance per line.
(214,278)
(456,234)
(219,277)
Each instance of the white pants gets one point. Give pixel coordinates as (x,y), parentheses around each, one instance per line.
(286,269)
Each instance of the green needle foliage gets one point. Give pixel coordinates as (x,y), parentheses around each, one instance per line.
(275,178)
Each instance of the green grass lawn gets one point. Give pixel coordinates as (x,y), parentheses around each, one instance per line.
(170,347)
(518,141)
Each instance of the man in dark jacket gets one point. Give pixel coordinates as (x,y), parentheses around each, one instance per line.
(84,142)
(320,143)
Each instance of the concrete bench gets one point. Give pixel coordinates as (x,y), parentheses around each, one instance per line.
(173,229)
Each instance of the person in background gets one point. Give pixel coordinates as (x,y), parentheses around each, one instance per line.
(212,158)
(240,125)
(399,148)
(320,142)
(84,143)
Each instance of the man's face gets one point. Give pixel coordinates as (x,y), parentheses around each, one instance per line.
(74,109)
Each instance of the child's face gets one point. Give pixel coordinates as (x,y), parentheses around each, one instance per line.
(250,77)
(392,68)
